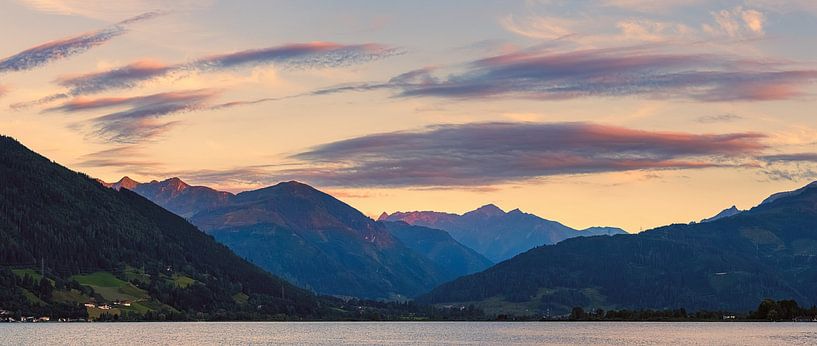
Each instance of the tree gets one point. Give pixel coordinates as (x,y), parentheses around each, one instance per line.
(45,289)
(578,313)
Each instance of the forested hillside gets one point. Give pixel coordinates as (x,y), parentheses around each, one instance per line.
(727,264)
(105,246)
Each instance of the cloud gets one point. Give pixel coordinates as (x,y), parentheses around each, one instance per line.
(613,72)
(800,166)
(719,118)
(481,154)
(3,90)
(123,77)
(794,157)
(105,9)
(64,48)
(544,28)
(738,22)
(129,159)
(651,6)
(652,31)
(141,118)
(297,56)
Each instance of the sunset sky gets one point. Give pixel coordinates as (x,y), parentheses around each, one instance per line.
(627,113)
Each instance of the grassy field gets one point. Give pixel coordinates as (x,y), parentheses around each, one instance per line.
(35,274)
(241,298)
(137,274)
(94,313)
(32,298)
(182,281)
(110,287)
(72,296)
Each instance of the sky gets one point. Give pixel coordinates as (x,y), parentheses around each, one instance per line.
(627,113)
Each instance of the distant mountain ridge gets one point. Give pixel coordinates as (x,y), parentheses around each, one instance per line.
(317,241)
(778,195)
(175,195)
(454,259)
(496,234)
(730,263)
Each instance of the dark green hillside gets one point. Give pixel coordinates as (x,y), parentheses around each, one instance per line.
(726,264)
(76,226)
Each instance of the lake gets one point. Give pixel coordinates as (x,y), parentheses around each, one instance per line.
(411,333)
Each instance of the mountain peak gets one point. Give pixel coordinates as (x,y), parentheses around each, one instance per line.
(125,182)
(384,216)
(176,183)
(724,214)
(489,210)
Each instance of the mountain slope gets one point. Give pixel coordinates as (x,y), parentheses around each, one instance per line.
(319,242)
(51,215)
(496,234)
(723,213)
(731,263)
(453,258)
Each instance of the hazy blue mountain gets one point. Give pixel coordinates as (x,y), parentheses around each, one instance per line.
(730,263)
(496,234)
(319,242)
(453,258)
(305,236)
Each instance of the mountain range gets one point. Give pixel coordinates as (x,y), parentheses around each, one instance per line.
(496,234)
(730,264)
(315,240)
(66,241)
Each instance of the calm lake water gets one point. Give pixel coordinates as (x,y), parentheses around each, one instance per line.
(411,333)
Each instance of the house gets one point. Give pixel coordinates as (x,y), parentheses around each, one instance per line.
(90,305)
(105,307)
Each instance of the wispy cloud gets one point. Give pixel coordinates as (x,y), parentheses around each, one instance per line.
(293,56)
(489,153)
(545,28)
(140,121)
(793,157)
(737,22)
(104,9)
(800,166)
(718,118)
(122,77)
(128,159)
(638,70)
(66,47)
(3,90)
